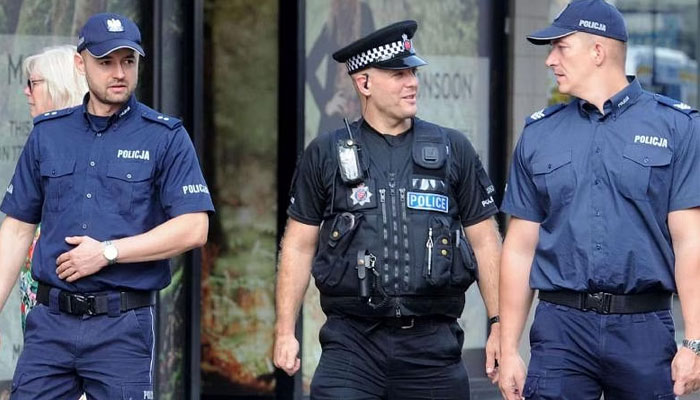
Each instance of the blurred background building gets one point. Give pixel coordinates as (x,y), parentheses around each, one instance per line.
(253,82)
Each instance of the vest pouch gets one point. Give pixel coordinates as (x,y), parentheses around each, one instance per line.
(438,252)
(464,269)
(331,262)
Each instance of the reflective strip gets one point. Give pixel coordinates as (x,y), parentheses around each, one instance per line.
(153,345)
(428,202)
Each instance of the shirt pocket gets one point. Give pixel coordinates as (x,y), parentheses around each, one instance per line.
(57,177)
(129,183)
(639,163)
(555,179)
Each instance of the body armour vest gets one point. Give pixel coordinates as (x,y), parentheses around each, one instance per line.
(393,244)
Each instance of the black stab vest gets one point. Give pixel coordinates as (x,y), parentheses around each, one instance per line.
(409,223)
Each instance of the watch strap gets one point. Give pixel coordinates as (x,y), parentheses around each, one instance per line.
(692,344)
(110,261)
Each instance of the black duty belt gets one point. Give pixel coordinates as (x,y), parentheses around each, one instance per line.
(407,322)
(608,303)
(94,303)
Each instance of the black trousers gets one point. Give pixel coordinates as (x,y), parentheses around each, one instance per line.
(372,360)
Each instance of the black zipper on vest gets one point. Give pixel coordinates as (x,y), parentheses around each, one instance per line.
(406,247)
(385,231)
(394,229)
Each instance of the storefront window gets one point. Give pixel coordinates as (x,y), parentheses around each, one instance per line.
(663,46)
(238,267)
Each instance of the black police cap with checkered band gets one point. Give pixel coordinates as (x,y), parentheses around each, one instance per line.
(388,48)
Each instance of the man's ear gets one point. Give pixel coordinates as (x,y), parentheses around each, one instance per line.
(79,63)
(599,53)
(362,83)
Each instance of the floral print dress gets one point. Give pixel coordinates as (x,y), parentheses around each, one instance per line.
(27,284)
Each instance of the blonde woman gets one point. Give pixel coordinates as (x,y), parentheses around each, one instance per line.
(53,83)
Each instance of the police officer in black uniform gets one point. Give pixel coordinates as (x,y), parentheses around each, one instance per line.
(378,214)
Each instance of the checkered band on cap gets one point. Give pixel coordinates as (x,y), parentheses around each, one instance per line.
(381,53)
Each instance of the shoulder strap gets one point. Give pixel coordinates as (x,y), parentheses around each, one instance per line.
(675,104)
(166,120)
(544,113)
(53,115)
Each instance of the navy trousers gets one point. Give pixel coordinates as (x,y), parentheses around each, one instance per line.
(367,360)
(105,357)
(579,355)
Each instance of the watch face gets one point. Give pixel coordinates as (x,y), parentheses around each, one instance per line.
(110,252)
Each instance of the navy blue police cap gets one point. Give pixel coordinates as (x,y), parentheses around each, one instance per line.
(597,17)
(387,48)
(103,33)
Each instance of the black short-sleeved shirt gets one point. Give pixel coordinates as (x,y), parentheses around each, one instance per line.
(315,176)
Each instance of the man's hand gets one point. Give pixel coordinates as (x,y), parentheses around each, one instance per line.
(286,354)
(685,372)
(493,352)
(512,379)
(83,260)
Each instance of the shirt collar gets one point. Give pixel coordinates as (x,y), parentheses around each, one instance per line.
(618,103)
(126,111)
(625,97)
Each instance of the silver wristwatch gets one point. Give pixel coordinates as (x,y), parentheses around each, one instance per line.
(110,252)
(692,344)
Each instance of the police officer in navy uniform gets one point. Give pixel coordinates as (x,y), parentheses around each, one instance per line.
(604,195)
(378,214)
(118,190)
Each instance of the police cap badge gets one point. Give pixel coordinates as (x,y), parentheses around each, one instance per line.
(387,48)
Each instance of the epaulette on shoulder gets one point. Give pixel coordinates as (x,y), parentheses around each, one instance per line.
(168,121)
(53,115)
(675,104)
(543,113)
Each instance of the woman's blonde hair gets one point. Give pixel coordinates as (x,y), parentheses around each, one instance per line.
(56,66)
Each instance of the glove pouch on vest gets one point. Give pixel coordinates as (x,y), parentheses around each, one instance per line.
(438,252)
(464,268)
(331,265)
(448,257)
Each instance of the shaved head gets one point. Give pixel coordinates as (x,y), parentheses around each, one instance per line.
(616,50)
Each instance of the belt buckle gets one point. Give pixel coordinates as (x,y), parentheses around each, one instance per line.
(81,304)
(409,325)
(598,302)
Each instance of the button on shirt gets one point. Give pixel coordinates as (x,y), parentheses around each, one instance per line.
(601,186)
(106,178)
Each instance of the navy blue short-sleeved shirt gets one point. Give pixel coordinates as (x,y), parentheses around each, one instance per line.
(107,181)
(601,187)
